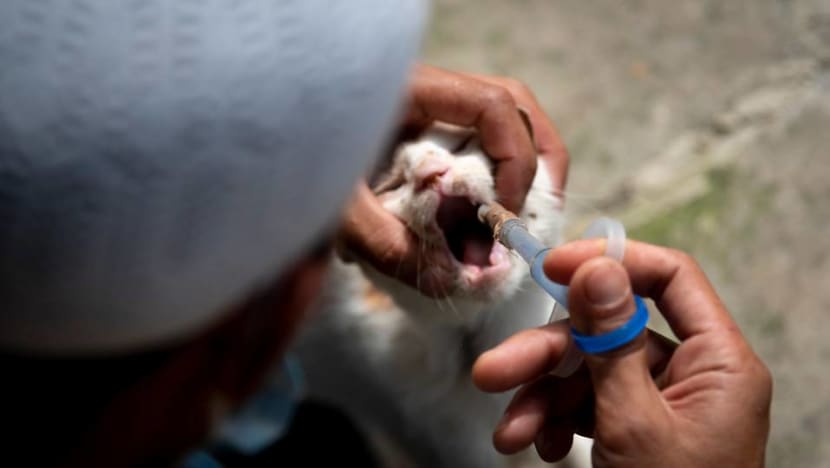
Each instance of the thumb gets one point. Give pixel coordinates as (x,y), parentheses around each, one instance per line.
(600,301)
(376,236)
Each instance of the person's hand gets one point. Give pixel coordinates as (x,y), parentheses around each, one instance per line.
(705,403)
(491,105)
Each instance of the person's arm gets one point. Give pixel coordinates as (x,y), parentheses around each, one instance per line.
(705,403)
(491,105)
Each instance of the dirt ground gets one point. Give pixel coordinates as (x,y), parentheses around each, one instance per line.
(704,125)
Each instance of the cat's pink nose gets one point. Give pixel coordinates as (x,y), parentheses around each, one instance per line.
(428,171)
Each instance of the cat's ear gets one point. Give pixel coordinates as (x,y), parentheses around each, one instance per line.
(525,115)
(389,181)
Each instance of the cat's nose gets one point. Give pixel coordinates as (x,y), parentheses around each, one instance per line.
(428,171)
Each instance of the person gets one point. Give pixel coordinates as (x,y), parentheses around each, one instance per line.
(171,179)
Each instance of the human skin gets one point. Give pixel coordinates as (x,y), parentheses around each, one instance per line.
(704,402)
(489,104)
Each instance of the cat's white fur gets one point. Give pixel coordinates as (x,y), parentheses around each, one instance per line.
(401,367)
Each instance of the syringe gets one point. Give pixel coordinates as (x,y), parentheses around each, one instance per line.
(513,233)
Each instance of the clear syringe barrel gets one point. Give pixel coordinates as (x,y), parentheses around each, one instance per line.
(514,235)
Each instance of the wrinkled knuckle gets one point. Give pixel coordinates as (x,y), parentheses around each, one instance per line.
(499,96)
(518,88)
(631,429)
(616,438)
(682,258)
(733,355)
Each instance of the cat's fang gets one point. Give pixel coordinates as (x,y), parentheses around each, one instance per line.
(499,255)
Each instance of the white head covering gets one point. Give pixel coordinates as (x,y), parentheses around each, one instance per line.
(161,160)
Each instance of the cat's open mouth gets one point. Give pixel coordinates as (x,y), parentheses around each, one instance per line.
(470,241)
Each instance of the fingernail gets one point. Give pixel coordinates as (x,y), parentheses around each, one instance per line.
(606,285)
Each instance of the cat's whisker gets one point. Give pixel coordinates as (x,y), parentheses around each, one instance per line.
(422,248)
(567,195)
(418,272)
(398,268)
(445,299)
(450,303)
(438,305)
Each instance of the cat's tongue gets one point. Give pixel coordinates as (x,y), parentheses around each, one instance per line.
(476,251)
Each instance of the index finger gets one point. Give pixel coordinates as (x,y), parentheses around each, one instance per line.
(457,99)
(671,278)
(548,143)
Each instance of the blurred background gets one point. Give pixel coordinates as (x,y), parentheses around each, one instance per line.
(704,125)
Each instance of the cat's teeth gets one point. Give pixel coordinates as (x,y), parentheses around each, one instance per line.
(483,209)
(498,255)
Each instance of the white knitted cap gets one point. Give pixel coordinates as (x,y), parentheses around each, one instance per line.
(159,161)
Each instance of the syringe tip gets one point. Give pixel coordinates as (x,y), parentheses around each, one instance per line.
(494,215)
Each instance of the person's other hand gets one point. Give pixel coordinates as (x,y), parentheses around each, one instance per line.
(705,403)
(491,105)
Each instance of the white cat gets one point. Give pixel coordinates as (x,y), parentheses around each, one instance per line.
(398,361)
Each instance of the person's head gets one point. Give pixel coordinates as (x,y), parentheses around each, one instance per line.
(168,179)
